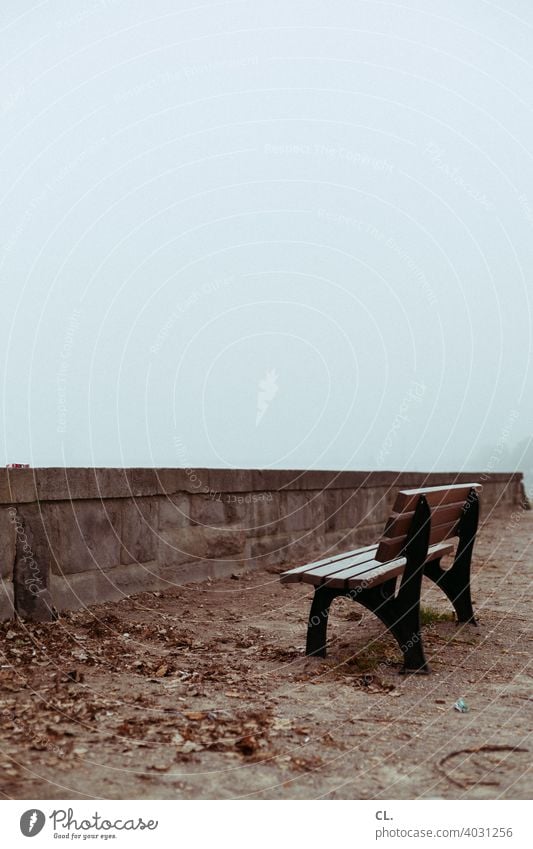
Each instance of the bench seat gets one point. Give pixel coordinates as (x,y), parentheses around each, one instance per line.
(356,568)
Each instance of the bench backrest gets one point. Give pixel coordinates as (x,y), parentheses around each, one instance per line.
(448,506)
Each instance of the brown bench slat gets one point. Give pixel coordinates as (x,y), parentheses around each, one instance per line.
(330,565)
(388,548)
(435,496)
(434,553)
(339,578)
(399,523)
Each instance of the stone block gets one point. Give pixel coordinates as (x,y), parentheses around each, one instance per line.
(207,511)
(239,508)
(138,530)
(7,543)
(346,509)
(268,550)
(127,579)
(74,591)
(83,535)
(230,480)
(265,518)
(31,570)
(174,512)
(224,542)
(143,482)
(7,610)
(181,546)
(306,548)
(17,486)
(302,511)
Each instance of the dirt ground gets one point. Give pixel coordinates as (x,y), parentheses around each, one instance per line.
(204,691)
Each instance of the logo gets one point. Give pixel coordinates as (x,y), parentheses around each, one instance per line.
(32,822)
(267,391)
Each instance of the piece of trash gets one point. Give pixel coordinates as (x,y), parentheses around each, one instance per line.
(461,706)
(75,675)
(247,745)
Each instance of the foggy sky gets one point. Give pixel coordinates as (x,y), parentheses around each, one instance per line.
(286,234)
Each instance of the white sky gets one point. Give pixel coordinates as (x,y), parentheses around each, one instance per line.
(288,234)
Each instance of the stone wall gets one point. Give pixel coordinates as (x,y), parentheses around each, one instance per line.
(71,537)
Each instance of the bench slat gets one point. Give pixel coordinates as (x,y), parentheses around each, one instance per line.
(389,548)
(364,570)
(436,496)
(399,523)
(380,574)
(330,565)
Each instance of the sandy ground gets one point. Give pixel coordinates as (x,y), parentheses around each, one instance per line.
(204,692)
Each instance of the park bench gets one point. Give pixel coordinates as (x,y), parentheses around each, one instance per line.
(416,536)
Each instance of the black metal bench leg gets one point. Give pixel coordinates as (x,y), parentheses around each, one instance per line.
(455,583)
(318,621)
(407,626)
(401,615)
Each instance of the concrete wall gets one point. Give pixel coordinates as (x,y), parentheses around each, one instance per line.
(71,537)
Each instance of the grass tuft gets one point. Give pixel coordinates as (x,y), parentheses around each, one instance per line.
(429,615)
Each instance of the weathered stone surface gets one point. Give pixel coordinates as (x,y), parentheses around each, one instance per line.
(183,480)
(230,480)
(207,511)
(302,511)
(17,486)
(306,548)
(138,530)
(74,591)
(7,543)
(271,549)
(7,610)
(143,482)
(239,508)
(32,599)
(181,546)
(265,516)
(224,542)
(174,512)
(345,509)
(84,535)
(127,579)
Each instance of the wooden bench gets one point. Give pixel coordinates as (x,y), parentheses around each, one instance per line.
(416,536)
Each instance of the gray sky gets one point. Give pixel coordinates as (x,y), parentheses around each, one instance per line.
(288,234)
